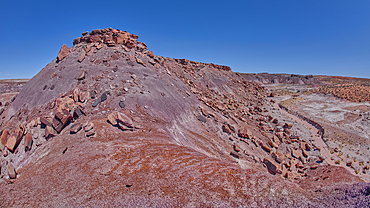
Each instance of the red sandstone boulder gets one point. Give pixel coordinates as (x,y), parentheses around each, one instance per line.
(28,142)
(64,51)
(236,148)
(265,146)
(226,129)
(244,132)
(288,125)
(50,132)
(139,61)
(11,172)
(4,137)
(75,128)
(121,119)
(296,153)
(82,57)
(11,144)
(150,54)
(45,121)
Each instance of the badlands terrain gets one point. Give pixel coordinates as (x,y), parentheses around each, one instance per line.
(108,123)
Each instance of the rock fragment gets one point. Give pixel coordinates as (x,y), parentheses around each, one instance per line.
(11,172)
(44,121)
(202,119)
(75,128)
(82,57)
(272,165)
(288,125)
(89,126)
(96,103)
(4,137)
(50,132)
(244,132)
(82,75)
(122,104)
(64,51)
(139,61)
(28,142)
(120,119)
(11,144)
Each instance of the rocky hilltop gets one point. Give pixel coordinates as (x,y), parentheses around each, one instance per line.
(108,123)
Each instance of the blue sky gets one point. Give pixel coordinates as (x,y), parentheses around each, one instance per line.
(330,37)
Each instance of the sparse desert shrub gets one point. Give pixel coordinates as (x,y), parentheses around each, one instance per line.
(337,162)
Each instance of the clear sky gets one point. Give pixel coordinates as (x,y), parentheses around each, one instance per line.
(330,37)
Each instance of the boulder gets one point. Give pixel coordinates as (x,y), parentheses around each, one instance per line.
(50,132)
(139,61)
(130,44)
(150,54)
(78,113)
(276,140)
(11,144)
(4,137)
(121,104)
(76,92)
(275,121)
(284,170)
(96,103)
(110,43)
(226,129)
(112,118)
(11,172)
(236,148)
(202,119)
(64,51)
(288,125)
(82,75)
(89,126)
(75,128)
(104,97)
(82,57)
(28,142)
(45,121)
(305,153)
(83,96)
(273,144)
(244,132)
(121,119)
(63,118)
(234,154)
(273,166)
(265,146)
(19,132)
(280,135)
(279,157)
(125,120)
(90,133)
(296,153)
(118,39)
